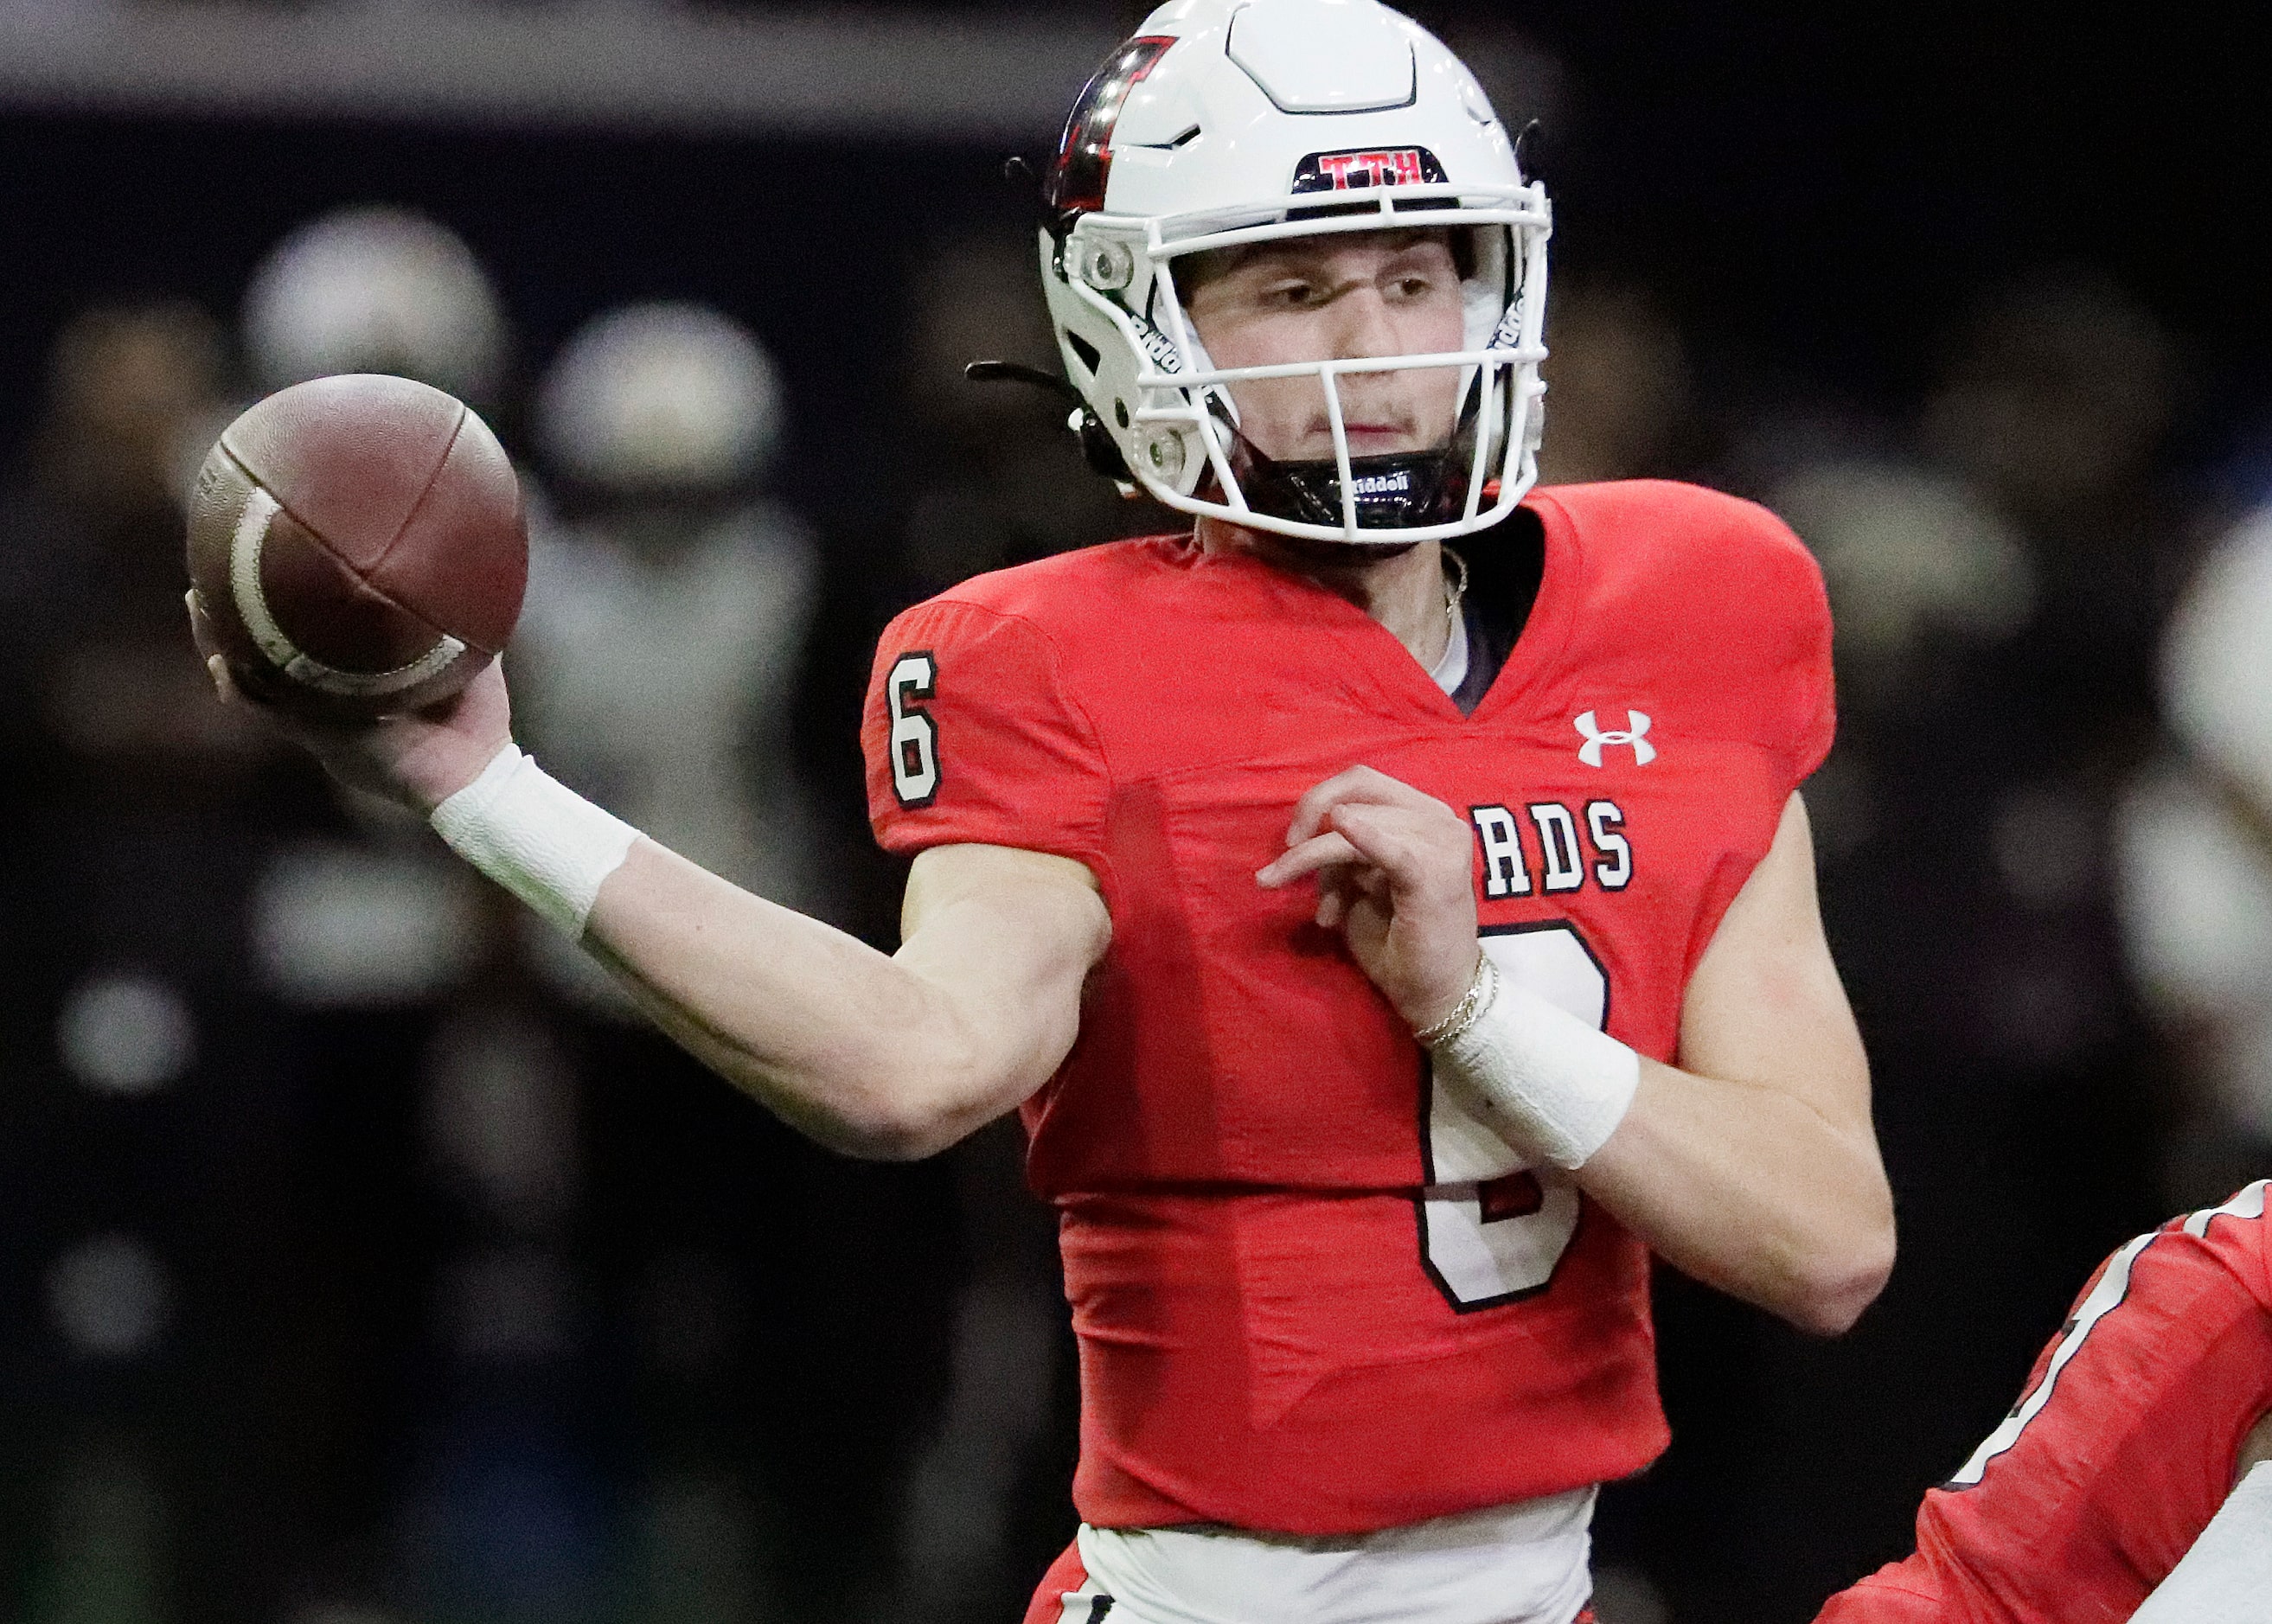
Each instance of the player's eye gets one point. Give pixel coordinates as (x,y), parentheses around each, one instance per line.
(1293,294)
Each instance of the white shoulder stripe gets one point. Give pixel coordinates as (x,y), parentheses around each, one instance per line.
(2105,1297)
(2247,1204)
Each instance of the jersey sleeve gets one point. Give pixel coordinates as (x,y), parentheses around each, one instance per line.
(2120,1451)
(1812,721)
(1791,630)
(970,738)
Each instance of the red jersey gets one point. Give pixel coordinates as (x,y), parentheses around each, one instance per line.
(2121,1450)
(1310,1295)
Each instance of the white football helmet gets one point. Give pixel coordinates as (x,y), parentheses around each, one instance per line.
(1225,123)
(375,289)
(662,396)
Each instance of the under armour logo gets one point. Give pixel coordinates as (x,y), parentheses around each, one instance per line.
(1636,733)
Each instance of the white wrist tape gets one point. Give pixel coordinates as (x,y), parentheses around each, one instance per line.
(535,837)
(1552,1086)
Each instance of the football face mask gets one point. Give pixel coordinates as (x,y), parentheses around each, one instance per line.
(1377,308)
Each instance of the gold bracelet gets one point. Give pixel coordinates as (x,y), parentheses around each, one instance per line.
(1476,999)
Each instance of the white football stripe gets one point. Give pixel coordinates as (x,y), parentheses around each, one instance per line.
(260,510)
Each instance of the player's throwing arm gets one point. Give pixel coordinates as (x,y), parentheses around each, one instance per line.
(1752,1166)
(874,1056)
(893,1057)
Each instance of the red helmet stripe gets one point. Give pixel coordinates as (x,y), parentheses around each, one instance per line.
(1085,152)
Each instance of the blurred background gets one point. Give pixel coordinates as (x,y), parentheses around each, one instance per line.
(360,1263)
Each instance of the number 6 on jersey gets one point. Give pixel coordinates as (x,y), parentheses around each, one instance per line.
(914,736)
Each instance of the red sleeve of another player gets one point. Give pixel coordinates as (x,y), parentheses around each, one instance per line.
(2120,1451)
(971,739)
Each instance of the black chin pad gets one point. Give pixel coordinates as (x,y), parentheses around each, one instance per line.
(1400,490)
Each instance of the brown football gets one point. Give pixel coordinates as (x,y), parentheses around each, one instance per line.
(357,545)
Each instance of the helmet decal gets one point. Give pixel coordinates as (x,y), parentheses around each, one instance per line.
(1362,167)
(1085,152)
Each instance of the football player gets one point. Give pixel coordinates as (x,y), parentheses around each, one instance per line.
(1388,944)
(2152,1402)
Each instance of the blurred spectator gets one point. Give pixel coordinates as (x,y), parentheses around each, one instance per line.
(1995,604)
(1619,398)
(375,289)
(457,1125)
(2053,401)
(134,397)
(440,1110)
(657,664)
(1996,610)
(653,668)
(2196,848)
(667,615)
(151,1226)
(2054,405)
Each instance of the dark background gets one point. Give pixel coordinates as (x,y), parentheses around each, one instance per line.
(1820,201)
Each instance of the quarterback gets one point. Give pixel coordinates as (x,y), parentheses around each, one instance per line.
(1389,904)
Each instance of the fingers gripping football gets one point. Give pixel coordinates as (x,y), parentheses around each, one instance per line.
(1394,872)
(418,759)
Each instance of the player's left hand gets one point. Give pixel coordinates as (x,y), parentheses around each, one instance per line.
(1395,873)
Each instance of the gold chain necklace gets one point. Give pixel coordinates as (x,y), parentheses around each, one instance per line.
(1458,590)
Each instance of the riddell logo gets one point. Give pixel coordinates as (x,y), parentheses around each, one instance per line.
(1157,345)
(1384,484)
(1368,166)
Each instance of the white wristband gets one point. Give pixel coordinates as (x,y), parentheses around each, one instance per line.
(1551,1085)
(535,837)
